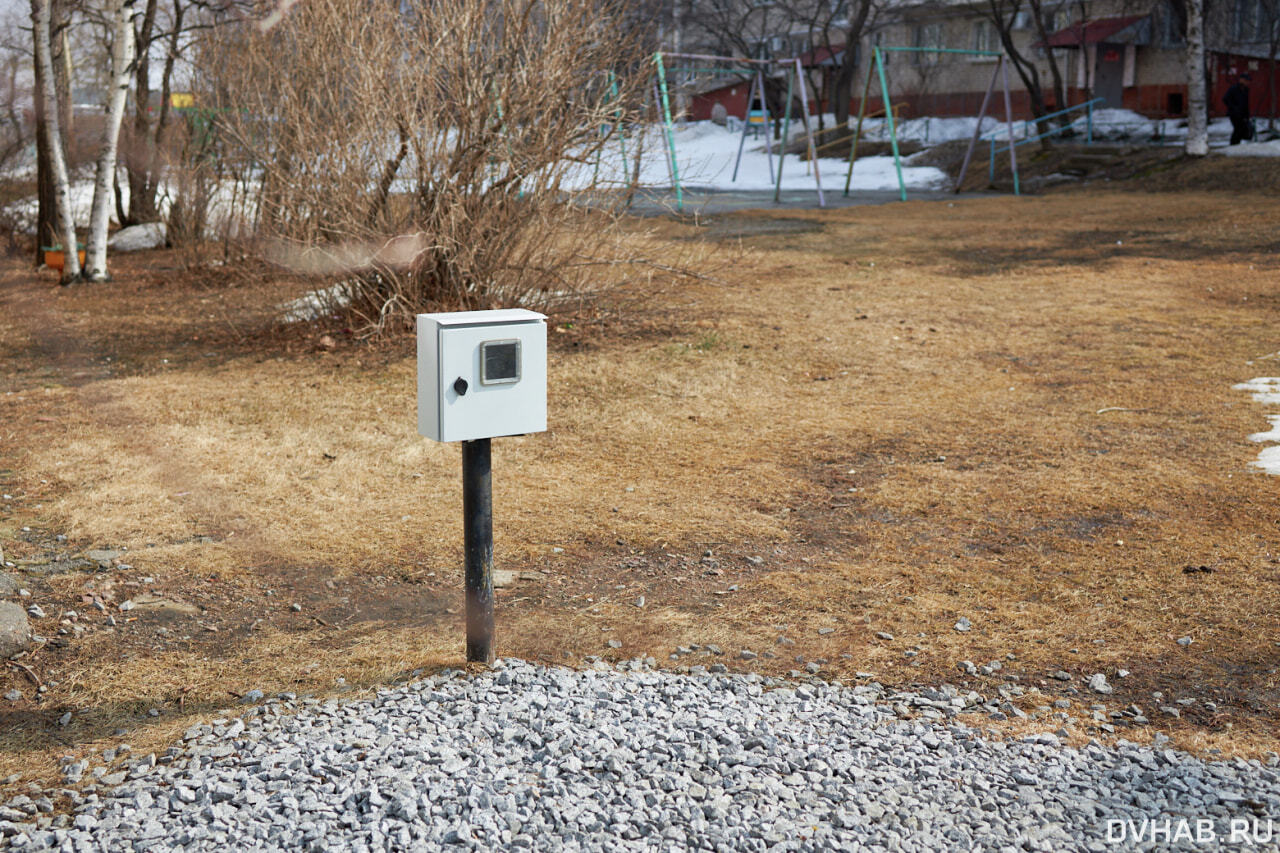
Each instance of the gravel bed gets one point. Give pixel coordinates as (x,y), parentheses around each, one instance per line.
(526,756)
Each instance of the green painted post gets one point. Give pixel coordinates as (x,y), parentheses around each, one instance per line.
(671,136)
(617,119)
(888,114)
(613,97)
(857,131)
(786,130)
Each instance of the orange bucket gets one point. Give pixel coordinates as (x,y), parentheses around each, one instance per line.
(56,260)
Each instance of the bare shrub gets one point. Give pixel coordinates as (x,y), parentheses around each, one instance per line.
(431,152)
(193,172)
(16,134)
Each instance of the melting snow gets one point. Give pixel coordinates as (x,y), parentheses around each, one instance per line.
(1254,149)
(317,303)
(1266,390)
(1272,434)
(705,155)
(1268,460)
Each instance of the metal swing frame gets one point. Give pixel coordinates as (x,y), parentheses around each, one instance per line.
(794,73)
(876,67)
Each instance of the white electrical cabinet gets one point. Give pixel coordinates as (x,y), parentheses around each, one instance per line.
(482,374)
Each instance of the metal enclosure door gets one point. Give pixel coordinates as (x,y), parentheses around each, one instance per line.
(490,410)
(1108,80)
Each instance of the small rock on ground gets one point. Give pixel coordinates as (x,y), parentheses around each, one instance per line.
(15,630)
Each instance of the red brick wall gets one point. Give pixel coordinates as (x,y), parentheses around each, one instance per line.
(1227,68)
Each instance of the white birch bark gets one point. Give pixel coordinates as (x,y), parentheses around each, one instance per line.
(122,58)
(43,48)
(1197,107)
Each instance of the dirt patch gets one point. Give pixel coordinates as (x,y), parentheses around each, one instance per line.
(733,227)
(873,420)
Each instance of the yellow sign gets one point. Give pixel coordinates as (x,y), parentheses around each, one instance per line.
(178,100)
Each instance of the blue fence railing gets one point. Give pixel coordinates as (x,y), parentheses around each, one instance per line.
(1087,108)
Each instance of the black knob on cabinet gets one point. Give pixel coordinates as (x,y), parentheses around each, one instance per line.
(460,386)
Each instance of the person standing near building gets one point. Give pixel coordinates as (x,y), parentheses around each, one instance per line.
(1237,102)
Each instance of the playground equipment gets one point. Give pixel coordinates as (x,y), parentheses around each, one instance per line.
(757,120)
(795,74)
(1027,136)
(876,69)
(617,129)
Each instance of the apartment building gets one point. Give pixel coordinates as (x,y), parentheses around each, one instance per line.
(1128,54)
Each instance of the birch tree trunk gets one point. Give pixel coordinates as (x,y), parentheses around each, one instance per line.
(53,139)
(1197,105)
(60,42)
(122,57)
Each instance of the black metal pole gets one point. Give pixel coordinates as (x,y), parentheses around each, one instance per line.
(477,511)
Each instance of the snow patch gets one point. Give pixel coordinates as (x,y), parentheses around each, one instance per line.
(1268,460)
(705,155)
(229,208)
(1272,434)
(1266,390)
(23,213)
(1254,149)
(137,238)
(317,303)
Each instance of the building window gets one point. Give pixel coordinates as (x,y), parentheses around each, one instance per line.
(928,38)
(1251,20)
(984,35)
(1171,34)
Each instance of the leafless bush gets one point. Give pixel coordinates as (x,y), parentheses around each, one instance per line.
(431,151)
(16,136)
(193,170)
(15,130)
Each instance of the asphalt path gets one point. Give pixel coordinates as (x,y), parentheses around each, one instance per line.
(662,202)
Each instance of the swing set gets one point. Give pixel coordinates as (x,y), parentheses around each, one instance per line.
(756,69)
(876,69)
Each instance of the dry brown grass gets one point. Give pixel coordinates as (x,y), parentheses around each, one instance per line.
(949,363)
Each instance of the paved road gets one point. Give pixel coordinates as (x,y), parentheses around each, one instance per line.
(659,202)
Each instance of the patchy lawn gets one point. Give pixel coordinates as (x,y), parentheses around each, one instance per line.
(877,420)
